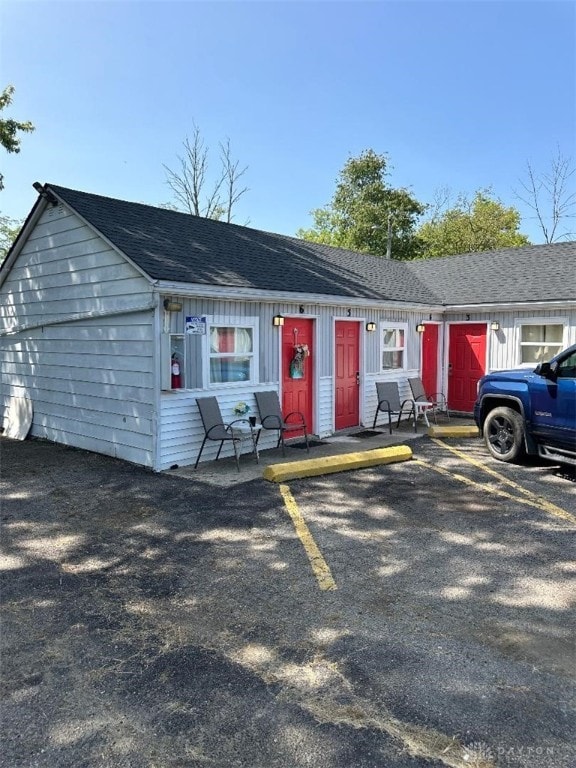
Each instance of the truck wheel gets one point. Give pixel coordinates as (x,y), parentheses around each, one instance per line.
(504,434)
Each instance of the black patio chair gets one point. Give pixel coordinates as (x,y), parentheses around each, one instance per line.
(271,418)
(389,402)
(216,429)
(437,400)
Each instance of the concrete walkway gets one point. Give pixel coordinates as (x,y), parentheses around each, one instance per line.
(224,473)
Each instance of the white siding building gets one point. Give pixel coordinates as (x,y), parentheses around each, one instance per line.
(85,334)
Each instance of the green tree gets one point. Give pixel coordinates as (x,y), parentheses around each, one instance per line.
(9,128)
(366,213)
(9,228)
(482,223)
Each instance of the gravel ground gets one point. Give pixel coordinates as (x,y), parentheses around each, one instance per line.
(155,621)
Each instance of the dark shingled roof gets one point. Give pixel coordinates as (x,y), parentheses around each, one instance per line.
(510,275)
(178,247)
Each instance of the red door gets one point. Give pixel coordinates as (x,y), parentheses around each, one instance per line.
(430,359)
(298,367)
(347,407)
(466,364)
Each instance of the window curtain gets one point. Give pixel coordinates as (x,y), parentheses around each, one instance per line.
(229,354)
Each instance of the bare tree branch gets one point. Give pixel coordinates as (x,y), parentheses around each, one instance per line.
(232,175)
(549,196)
(440,202)
(190,183)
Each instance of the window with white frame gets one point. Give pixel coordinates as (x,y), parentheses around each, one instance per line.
(540,341)
(393,346)
(231,352)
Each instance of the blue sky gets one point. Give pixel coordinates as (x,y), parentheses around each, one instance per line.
(459,94)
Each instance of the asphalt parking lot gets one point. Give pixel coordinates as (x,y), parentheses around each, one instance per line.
(409,615)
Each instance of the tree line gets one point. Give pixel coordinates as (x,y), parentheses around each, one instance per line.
(366,212)
(10,141)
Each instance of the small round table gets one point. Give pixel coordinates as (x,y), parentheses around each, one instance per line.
(246,430)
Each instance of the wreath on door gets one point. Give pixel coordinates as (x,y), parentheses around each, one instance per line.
(301,352)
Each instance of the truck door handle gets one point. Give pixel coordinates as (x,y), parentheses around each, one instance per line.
(358,378)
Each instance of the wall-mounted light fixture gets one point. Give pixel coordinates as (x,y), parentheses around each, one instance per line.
(370,327)
(172,306)
(495,325)
(420,328)
(277,321)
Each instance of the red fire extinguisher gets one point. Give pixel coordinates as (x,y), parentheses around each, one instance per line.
(176,378)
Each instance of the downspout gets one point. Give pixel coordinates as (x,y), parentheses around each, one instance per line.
(156,405)
(444,358)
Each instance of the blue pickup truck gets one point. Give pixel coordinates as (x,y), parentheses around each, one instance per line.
(530,411)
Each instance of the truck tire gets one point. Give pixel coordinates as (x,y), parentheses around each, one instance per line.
(504,434)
